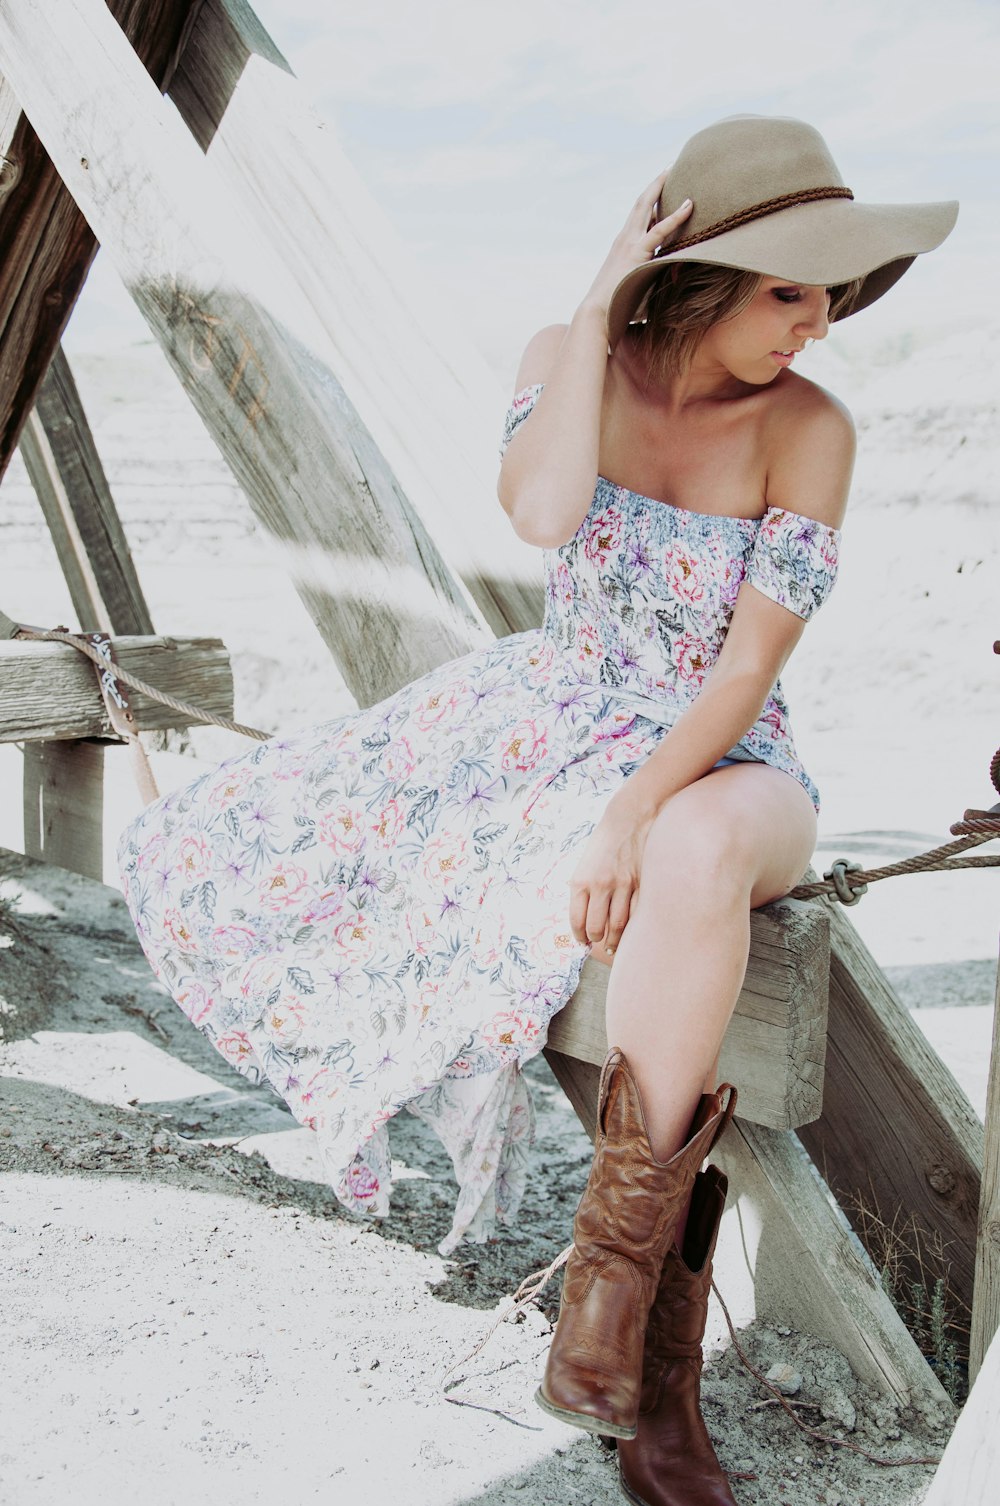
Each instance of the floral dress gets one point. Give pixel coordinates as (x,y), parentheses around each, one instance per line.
(372,914)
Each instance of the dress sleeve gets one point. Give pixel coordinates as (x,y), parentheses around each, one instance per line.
(794,560)
(518,411)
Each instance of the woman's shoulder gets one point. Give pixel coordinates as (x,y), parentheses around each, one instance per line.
(811,444)
(809,406)
(539,356)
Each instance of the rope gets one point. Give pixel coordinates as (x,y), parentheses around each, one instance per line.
(193,713)
(531,1288)
(844,880)
(975,828)
(855,1448)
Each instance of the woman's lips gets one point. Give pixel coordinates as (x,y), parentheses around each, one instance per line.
(783,357)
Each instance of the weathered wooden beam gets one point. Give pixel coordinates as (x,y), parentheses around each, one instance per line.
(66,472)
(46,245)
(775,1045)
(64,805)
(49,690)
(986,1296)
(432,406)
(968,1472)
(804,1268)
(897,1135)
(245,346)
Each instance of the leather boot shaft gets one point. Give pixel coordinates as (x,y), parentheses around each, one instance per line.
(623,1228)
(671,1460)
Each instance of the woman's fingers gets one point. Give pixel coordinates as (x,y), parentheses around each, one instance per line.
(600,916)
(578,903)
(597,916)
(649,195)
(664,229)
(618,913)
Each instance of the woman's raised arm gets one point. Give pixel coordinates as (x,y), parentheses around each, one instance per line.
(549,472)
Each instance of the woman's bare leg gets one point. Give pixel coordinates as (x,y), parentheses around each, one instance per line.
(739,837)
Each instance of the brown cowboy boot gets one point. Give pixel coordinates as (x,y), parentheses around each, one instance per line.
(623,1228)
(671,1461)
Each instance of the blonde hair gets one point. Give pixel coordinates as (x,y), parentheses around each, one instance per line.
(691,297)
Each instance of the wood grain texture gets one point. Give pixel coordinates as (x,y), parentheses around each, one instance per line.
(245,346)
(896,1133)
(66,472)
(402,356)
(807,1272)
(986,1295)
(46,245)
(50,691)
(969,1471)
(775,1046)
(64,805)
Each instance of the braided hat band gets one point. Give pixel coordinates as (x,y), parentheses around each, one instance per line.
(758,212)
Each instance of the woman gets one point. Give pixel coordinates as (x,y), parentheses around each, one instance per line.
(386,910)
(726,475)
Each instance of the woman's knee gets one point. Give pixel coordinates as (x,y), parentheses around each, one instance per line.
(696,849)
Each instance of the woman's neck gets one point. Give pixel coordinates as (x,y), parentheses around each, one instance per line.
(704,379)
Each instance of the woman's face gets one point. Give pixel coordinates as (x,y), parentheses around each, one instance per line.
(764,337)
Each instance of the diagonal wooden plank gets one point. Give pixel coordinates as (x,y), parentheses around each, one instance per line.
(243,343)
(46,245)
(897,1134)
(66,472)
(402,356)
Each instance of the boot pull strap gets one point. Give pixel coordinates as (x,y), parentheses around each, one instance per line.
(727,1111)
(613,1059)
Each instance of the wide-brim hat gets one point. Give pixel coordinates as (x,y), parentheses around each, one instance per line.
(768,198)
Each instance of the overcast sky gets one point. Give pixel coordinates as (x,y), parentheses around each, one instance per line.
(507,141)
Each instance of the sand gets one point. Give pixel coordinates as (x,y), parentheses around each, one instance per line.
(188,1312)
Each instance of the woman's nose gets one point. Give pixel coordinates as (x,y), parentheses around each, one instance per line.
(815,321)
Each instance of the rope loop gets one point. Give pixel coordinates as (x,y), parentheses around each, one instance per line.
(842,890)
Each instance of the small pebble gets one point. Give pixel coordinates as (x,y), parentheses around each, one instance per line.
(787,1380)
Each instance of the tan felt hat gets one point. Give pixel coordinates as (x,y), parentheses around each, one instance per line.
(768,198)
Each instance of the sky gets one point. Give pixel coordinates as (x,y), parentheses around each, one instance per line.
(507,142)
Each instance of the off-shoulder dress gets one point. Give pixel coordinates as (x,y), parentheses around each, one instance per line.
(372,914)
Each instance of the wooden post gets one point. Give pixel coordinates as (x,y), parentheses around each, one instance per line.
(245,346)
(776,1040)
(66,472)
(49,701)
(46,245)
(64,805)
(986,1295)
(432,405)
(897,1133)
(967,1475)
(49,690)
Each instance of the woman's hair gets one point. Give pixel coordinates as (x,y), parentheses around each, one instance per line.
(692,296)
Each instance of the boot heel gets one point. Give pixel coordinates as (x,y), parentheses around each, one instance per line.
(582,1420)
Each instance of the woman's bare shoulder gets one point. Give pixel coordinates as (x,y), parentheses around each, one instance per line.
(811,406)
(811,448)
(539,356)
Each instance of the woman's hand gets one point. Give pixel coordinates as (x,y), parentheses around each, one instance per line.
(606,879)
(635,243)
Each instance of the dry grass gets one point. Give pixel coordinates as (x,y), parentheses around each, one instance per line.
(914,1271)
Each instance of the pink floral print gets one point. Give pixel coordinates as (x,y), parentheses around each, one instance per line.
(372,914)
